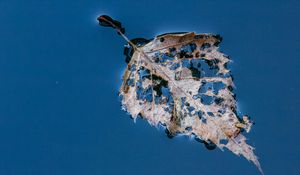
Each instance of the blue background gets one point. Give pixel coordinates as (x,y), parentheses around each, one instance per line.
(60,73)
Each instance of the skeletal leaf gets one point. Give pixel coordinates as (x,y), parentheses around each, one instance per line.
(181,81)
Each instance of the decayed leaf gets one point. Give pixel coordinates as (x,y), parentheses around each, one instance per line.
(181,81)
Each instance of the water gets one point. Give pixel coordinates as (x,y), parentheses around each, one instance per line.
(60,72)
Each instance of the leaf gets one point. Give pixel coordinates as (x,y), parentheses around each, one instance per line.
(181,81)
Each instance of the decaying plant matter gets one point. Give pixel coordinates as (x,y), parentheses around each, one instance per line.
(181,81)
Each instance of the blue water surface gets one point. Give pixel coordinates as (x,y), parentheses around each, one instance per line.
(60,74)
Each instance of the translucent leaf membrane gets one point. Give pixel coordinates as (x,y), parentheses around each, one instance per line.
(181,81)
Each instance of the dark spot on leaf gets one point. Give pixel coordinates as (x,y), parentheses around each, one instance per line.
(158,84)
(210,145)
(128,49)
(218,39)
(205,46)
(219,100)
(189,128)
(162,39)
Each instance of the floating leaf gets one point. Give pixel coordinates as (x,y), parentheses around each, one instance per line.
(181,81)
